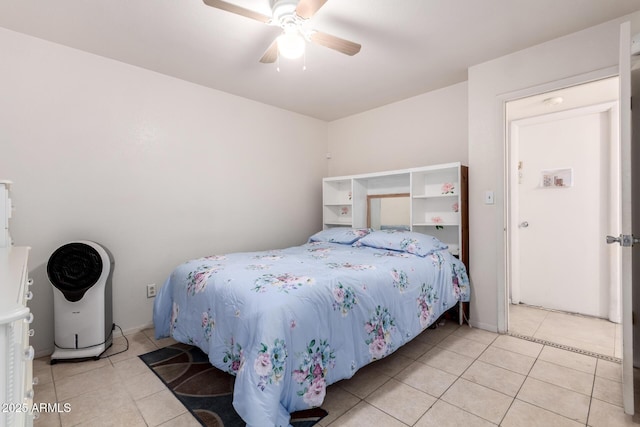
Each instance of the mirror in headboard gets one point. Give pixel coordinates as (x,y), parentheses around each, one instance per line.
(388,211)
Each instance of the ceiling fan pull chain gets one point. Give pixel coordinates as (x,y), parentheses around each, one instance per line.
(304,61)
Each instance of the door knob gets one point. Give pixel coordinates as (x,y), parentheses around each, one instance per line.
(626,240)
(611,239)
(524,224)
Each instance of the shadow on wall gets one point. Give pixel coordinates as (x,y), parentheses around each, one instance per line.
(42,308)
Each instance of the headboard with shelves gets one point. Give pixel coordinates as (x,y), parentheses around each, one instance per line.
(438,198)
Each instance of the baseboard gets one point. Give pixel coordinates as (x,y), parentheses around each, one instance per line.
(131,331)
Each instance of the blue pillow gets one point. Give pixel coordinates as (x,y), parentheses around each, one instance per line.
(342,235)
(403,241)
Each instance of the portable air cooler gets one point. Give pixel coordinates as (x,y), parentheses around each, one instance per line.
(80,273)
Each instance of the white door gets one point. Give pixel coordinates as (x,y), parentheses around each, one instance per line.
(627,226)
(562,199)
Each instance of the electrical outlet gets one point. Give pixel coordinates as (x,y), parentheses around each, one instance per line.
(488,198)
(151,290)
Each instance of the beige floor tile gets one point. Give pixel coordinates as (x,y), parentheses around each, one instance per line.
(149,333)
(44,393)
(398,390)
(463,346)
(446,360)
(583,328)
(433,336)
(522,311)
(392,365)
(143,385)
(426,378)
(587,333)
(118,344)
(522,414)
(569,359)
(162,342)
(364,414)
(608,390)
(139,344)
(184,420)
(515,362)
(568,378)
(475,334)
(603,414)
(129,417)
(442,414)
(401,401)
(42,370)
(336,402)
(78,384)
(414,349)
(550,336)
(160,407)
(47,419)
(495,378)
(364,382)
(556,399)
(525,320)
(523,326)
(130,367)
(96,404)
(66,369)
(479,400)
(609,370)
(516,345)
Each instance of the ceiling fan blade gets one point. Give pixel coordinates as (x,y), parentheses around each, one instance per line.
(335,43)
(223,5)
(271,54)
(307,8)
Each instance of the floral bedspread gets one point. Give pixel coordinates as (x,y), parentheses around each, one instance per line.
(287,323)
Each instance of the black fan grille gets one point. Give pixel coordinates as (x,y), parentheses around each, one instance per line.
(74,268)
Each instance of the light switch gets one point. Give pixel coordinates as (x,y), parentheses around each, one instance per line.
(488,197)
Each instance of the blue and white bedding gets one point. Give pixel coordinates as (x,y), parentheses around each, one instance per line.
(287,323)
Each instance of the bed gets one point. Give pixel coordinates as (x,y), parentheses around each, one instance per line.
(288,323)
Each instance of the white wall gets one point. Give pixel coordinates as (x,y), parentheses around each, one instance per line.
(156,169)
(424,130)
(490,85)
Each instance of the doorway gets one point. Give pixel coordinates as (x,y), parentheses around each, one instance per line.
(564,284)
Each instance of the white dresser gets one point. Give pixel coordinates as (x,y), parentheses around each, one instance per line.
(16,355)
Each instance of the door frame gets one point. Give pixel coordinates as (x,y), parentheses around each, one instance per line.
(513,220)
(503,243)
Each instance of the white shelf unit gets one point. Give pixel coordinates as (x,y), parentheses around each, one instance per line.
(439,205)
(438,198)
(337,195)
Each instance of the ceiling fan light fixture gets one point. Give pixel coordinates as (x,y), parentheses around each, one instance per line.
(291,45)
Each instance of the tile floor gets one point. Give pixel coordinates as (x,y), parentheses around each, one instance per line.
(449,376)
(574,330)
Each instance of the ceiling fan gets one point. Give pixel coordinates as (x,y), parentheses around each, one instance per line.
(291,16)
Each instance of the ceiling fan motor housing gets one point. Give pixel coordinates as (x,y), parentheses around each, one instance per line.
(284,11)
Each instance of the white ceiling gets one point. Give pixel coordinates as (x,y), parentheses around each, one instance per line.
(409,47)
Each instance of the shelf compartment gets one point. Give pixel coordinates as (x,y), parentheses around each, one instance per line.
(337,192)
(439,218)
